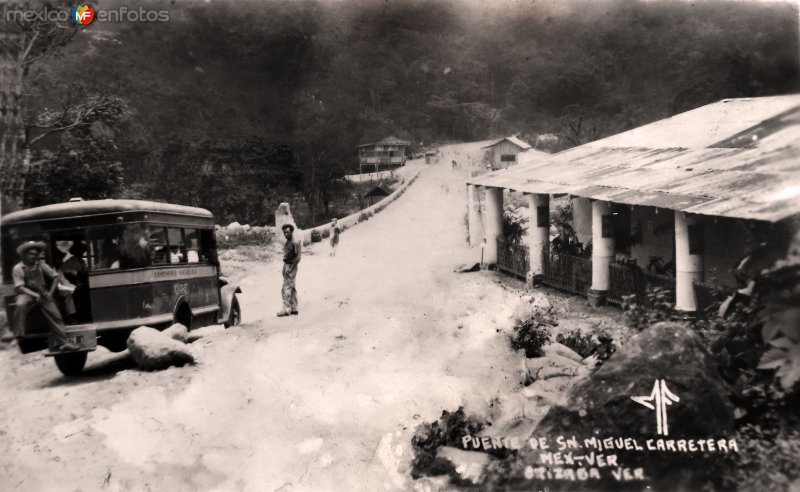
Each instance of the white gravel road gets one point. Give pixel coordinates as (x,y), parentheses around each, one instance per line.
(387,337)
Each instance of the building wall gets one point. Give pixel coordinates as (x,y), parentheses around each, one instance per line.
(654,234)
(372,155)
(726,242)
(504,148)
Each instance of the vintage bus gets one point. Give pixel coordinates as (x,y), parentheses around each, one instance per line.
(133,263)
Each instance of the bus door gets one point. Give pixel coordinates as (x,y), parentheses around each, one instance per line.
(68,255)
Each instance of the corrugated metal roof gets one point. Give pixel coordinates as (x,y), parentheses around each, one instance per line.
(703,126)
(753,172)
(514,140)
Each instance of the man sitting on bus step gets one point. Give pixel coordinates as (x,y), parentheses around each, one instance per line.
(29,283)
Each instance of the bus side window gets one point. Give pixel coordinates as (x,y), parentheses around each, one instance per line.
(209,244)
(159,245)
(193,253)
(104,251)
(177,247)
(135,250)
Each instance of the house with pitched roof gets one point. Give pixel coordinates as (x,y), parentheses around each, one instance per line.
(503,153)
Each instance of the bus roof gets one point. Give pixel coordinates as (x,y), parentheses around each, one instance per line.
(100,207)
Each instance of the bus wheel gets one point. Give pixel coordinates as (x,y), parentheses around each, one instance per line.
(71,364)
(236,314)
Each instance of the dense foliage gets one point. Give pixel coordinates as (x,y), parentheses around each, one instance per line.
(321,77)
(447,431)
(532,334)
(587,344)
(755,342)
(240,180)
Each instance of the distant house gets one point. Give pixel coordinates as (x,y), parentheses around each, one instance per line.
(389,153)
(503,153)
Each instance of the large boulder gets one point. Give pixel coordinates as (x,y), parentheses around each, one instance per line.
(153,350)
(600,406)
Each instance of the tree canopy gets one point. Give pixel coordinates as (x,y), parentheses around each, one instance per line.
(247,84)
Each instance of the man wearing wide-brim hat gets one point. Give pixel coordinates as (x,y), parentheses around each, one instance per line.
(31,288)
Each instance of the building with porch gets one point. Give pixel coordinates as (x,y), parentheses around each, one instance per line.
(389,153)
(699,190)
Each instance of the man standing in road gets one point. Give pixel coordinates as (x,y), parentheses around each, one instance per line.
(31,288)
(291,258)
(334,237)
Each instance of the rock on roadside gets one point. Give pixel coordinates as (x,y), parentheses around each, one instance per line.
(177,332)
(153,350)
(601,406)
(463,466)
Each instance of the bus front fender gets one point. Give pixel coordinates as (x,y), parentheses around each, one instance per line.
(226,295)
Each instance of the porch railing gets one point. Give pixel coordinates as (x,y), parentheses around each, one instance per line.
(513,258)
(706,295)
(653,280)
(623,280)
(574,274)
(627,280)
(567,272)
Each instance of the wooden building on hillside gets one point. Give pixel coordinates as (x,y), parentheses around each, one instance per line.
(389,153)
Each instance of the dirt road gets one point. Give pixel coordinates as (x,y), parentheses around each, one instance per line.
(387,337)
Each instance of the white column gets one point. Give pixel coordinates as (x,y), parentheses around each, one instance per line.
(602,245)
(493,223)
(474,216)
(582,219)
(538,230)
(688,259)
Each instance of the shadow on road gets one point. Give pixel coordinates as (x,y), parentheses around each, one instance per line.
(104,369)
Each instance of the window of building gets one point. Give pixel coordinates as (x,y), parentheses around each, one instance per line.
(543,216)
(508,158)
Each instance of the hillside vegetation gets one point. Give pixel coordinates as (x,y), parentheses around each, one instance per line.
(259,100)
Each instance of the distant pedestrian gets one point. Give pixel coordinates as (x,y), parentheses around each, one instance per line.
(334,237)
(291,258)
